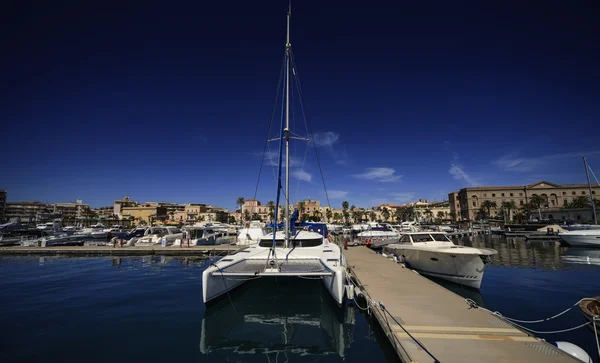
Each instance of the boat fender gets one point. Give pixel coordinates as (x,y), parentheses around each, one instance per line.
(350,291)
(383,254)
(573,350)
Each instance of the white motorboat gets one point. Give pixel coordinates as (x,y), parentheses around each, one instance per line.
(287,252)
(252,233)
(582,237)
(108,233)
(378,235)
(156,236)
(433,254)
(199,236)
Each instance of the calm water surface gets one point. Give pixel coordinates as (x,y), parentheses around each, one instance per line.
(150,309)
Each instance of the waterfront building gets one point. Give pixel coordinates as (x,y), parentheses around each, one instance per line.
(27,212)
(148,212)
(72,210)
(103,212)
(467,202)
(310,207)
(252,206)
(118,205)
(2,206)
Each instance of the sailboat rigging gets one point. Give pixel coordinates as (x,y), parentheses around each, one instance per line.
(287,252)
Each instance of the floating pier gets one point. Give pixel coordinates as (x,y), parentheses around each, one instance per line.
(442,322)
(120,251)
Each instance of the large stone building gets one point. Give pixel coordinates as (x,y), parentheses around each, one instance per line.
(310,207)
(2,206)
(72,210)
(27,212)
(467,202)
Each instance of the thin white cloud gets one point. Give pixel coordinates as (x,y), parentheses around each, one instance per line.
(383,175)
(302,175)
(337,194)
(404,197)
(272,158)
(458,173)
(325,138)
(514,162)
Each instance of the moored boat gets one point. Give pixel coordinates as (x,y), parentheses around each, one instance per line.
(432,253)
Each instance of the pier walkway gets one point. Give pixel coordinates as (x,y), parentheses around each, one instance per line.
(439,319)
(206,251)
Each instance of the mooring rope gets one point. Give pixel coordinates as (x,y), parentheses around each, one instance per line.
(473,304)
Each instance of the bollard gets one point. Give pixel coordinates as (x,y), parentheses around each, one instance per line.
(121,243)
(114,243)
(346,243)
(188,242)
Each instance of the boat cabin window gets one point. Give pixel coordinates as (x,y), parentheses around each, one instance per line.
(405,239)
(421,238)
(439,237)
(297,243)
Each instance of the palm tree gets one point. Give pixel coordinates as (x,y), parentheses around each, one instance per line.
(453,215)
(345,205)
(271,206)
(440,215)
(301,206)
(328,214)
(385,214)
(372,215)
(240,201)
(317,215)
(488,205)
(580,202)
(536,202)
(428,214)
(398,215)
(336,217)
(508,207)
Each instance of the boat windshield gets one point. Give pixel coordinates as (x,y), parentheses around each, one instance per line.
(439,237)
(421,238)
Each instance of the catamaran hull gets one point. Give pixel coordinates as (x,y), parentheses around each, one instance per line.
(215,285)
(464,269)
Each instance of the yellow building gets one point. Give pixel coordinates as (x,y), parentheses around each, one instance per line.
(148,213)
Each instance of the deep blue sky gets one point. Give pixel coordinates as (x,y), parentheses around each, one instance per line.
(171,101)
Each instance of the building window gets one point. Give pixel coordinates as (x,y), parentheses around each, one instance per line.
(521,202)
(511,194)
(520,194)
(552,201)
(485,195)
(474,204)
(583,193)
(493,195)
(593,192)
(502,194)
(573,193)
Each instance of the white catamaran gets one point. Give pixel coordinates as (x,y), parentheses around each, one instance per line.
(287,252)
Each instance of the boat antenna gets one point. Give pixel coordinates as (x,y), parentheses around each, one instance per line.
(287,127)
(587,175)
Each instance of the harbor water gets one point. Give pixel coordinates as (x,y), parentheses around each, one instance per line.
(150,309)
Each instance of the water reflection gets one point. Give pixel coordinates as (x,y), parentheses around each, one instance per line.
(517,252)
(295,317)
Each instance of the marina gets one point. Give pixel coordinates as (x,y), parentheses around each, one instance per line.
(155,298)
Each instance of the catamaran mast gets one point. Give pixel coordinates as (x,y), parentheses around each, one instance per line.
(287,128)
(587,175)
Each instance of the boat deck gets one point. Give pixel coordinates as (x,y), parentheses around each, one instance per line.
(292,267)
(439,319)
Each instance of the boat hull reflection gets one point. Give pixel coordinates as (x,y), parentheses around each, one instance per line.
(296,317)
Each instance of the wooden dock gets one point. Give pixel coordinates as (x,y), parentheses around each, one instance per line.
(120,251)
(439,319)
